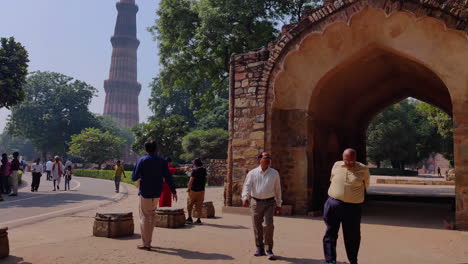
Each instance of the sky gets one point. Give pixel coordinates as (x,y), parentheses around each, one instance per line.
(72,37)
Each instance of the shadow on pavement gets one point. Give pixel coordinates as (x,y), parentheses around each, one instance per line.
(187,254)
(304,260)
(14,260)
(225,226)
(61,198)
(132,237)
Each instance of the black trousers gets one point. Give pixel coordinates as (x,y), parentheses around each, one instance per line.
(335,213)
(36,180)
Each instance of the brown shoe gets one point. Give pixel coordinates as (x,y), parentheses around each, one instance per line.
(142,247)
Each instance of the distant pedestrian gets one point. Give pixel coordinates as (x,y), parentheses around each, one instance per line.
(67,176)
(15,167)
(438,172)
(196,190)
(57,172)
(118,172)
(262,188)
(5,174)
(23,165)
(149,172)
(349,181)
(49,169)
(36,170)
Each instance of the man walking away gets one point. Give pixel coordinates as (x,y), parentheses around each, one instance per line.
(119,170)
(67,177)
(36,170)
(149,172)
(15,166)
(349,181)
(262,187)
(196,191)
(49,169)
(5,174)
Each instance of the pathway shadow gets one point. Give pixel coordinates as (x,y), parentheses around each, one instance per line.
(132,237)
(43,200)
(225,226)
(14,260)
(188,254)
(304,260)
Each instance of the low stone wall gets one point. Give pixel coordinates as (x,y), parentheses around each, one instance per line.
(217,172)
(414,182)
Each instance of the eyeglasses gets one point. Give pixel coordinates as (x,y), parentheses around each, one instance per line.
(267,158)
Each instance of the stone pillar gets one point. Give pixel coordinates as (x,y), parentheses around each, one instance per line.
(460,134)
(246,120)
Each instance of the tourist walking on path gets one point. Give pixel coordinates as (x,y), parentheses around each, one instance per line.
(438,172)
(67,177)
(15,166)
(49,169)
(349,181)
(5,174)
(262,189)
(196,190)
(118,171)
(57,172)
(150,171)
(36,170)
(166,195)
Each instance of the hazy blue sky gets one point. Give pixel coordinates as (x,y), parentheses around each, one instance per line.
(73,37)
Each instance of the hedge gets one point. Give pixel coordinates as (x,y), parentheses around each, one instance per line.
(392,172)
(180,181)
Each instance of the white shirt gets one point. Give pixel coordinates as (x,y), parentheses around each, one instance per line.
(37,168)
(262,185)
(49,165)
(68,163)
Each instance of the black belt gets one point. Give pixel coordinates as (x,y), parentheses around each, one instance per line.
(264,200)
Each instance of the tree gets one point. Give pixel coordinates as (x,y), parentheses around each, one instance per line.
(13,71)
(205,144)
(55,107)
(216,118)
(167,133)
(10,144)
(96,146)
(111,125)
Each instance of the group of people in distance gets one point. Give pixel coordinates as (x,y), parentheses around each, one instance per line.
(262,193)
(55,171)
(9,171)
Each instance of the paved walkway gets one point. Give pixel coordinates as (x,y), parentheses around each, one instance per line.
(391,234)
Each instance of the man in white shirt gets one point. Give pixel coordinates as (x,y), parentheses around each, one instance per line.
(262,189)
(49,169)
(36,170)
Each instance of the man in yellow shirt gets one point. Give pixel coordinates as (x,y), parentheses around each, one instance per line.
(349,181)
(119,170)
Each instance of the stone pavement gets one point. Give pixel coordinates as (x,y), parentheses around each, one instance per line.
(387,238)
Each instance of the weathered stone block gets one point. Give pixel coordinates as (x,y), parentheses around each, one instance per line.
(168,217)
(4,244)
(208,211)
(286,210)
(113,225)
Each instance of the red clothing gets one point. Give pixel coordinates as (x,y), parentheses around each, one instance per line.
(165,200)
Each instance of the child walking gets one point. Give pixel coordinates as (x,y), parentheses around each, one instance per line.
(118,171)
(68,177)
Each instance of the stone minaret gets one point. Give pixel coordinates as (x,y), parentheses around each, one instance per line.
(122,88)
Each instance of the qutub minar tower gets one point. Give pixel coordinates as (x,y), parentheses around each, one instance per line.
(122,88)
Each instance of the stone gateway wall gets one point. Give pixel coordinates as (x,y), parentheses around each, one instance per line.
(288,98)
(217,172)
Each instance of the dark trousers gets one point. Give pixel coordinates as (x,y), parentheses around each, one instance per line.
(36,180)
(67,184)
(117,180)
(262,220)
(5,185)
(335,213)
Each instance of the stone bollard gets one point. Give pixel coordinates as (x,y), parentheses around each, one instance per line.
(113,225)
(4,244)
(208,211)
(168,217)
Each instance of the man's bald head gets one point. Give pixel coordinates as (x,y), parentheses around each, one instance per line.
(349,157)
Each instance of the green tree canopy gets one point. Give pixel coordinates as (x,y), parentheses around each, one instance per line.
(205,144)
(167,133)
(13,71)
(55,107)
(404,134)
(196,39)
(111,125)
(10,144)
(96,146)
